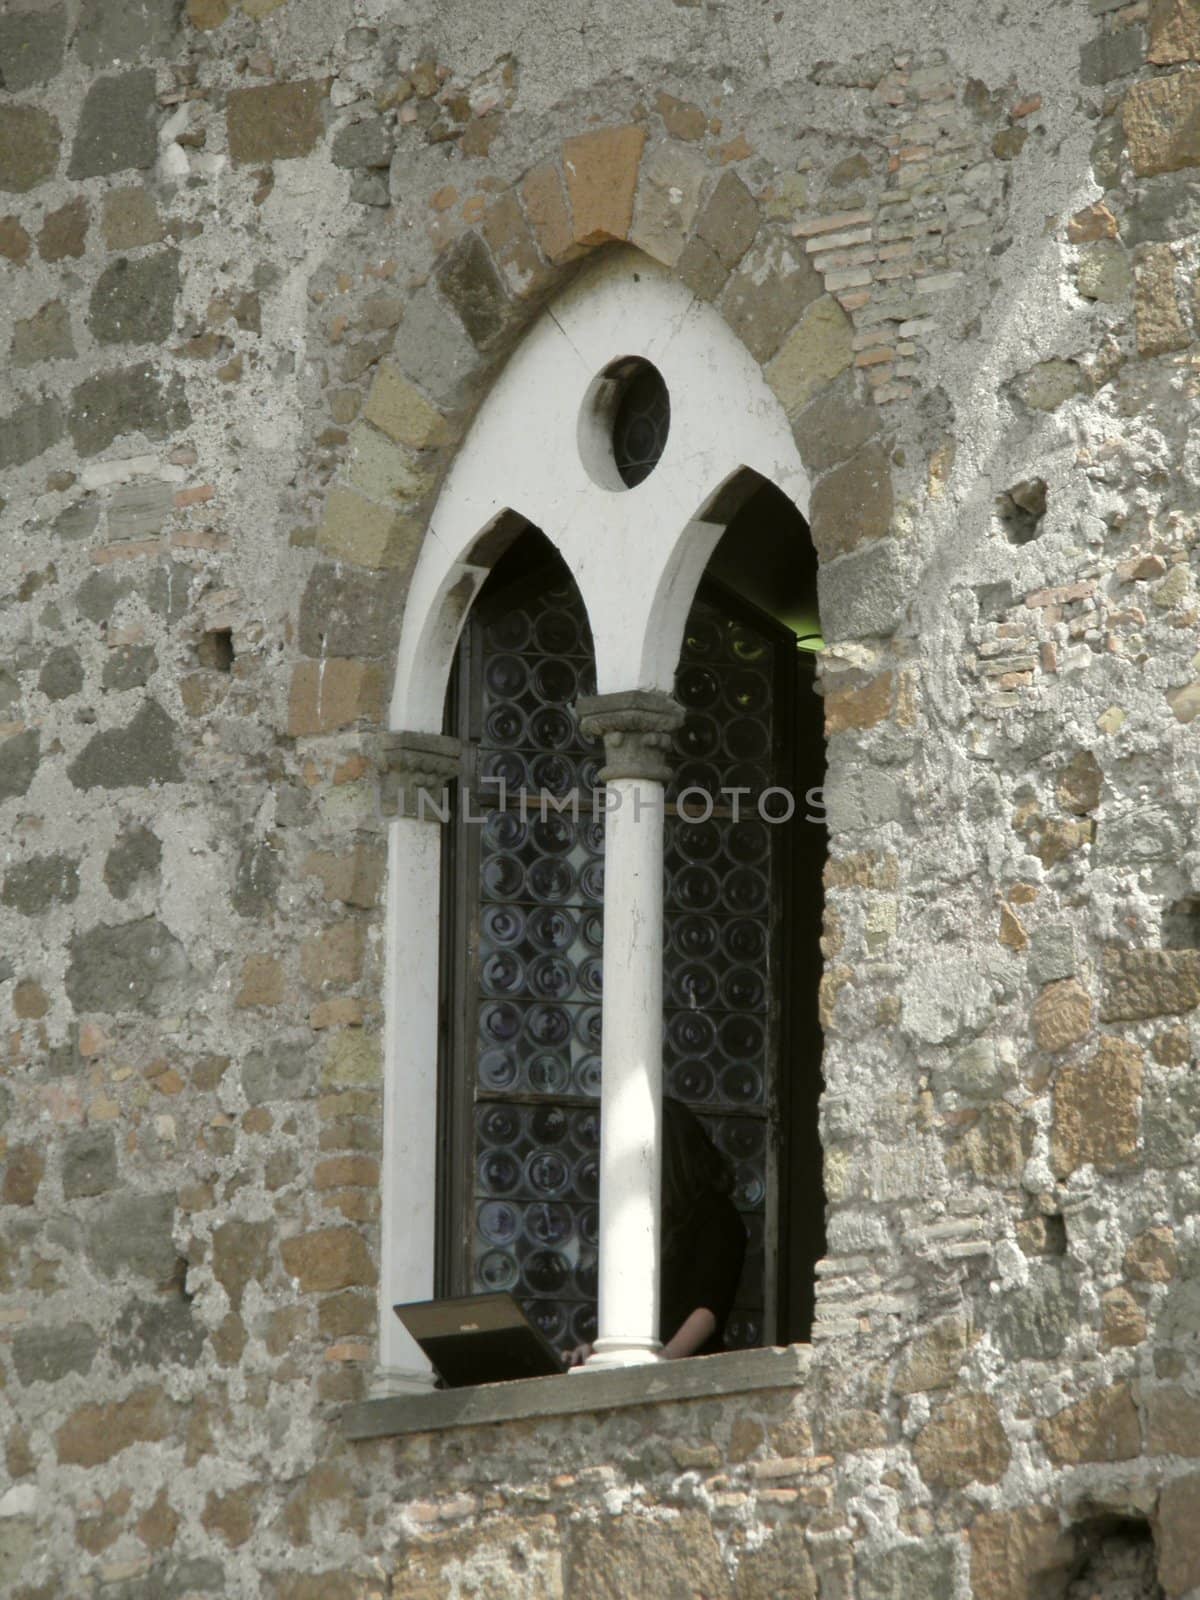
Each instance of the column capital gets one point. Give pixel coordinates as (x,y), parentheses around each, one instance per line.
(636,726)
(414,763)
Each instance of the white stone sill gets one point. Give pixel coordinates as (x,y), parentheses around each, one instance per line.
(654,1383)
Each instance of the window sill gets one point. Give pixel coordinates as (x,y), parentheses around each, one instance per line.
(699,1378)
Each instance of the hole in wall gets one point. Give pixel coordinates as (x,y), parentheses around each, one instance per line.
(1055,1234)
(215,650)
(624,423)
(1020,510)
(1181,924)
(1115,1560)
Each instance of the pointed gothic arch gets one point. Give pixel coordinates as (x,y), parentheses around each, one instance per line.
(636,558)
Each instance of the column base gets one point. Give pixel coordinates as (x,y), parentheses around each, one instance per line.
(618,1352)
(388,1381)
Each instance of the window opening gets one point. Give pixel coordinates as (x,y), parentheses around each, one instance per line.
(523,959)
(641,423)
(624,423)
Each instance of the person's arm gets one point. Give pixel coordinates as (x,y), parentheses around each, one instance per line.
(696,1329)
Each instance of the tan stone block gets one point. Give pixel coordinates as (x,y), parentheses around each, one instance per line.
(15,243)
(601,173)
(208,14)
(1050,384)
(1172,1423)
(863,869)
(1062,1015)
(386,472)
(157,1525)
(819,348)
(333,956)
(860,706)
(403,413)
(130,219)
(513,249)
(545,203)
(745,1437)
(241,1254)
(357,530)
(229,1340)
(681,118)
(24,1166)
(332,694)
(963,1443)
(852,505)
(94,1434)
(1174,32)
(1103,1426)
(1121,1320)
(233,1516)
(329,1259)
(1096,1110)
(779,1569)
(1012,933)
(1172,1047)
(1160,325)
(854,1429)
(933,1358)
(1011,1549)
(1080,783)
(274,122)
(355,878)
(1091,224)
(344,1012)
(1177,1530)
(346,1313)
(1152,1257)
(1185,702)
(262,982)
(991,1151)
(353,1058)
(668,198)
(1139,984)
(30,1000)
(1162,123)
(1104,273)
(659,1559)
(351,1171)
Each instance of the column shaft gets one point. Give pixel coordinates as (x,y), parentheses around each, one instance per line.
(637,729)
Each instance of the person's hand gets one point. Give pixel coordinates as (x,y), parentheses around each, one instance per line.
(577,1357)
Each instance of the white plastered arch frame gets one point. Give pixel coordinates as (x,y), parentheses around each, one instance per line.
(636,555)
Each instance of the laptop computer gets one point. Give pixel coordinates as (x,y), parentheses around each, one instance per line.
(479,1338)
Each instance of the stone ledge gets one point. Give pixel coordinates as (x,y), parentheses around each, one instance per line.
(698,1378)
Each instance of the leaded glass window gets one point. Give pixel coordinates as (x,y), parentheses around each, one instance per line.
(524,959)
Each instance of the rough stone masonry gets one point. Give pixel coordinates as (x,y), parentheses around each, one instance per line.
(260,260)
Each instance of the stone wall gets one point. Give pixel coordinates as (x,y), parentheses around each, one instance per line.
(261,258)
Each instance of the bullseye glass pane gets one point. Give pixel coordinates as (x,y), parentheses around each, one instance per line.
(538,968)
(538,971)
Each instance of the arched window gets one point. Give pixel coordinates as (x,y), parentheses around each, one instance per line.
(640,434)
(522,962)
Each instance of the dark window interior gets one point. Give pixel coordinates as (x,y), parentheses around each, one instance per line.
(524,902)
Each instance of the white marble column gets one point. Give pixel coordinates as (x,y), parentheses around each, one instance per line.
(636,727)
(411,764)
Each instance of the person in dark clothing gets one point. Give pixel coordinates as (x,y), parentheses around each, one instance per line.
(703,1240)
